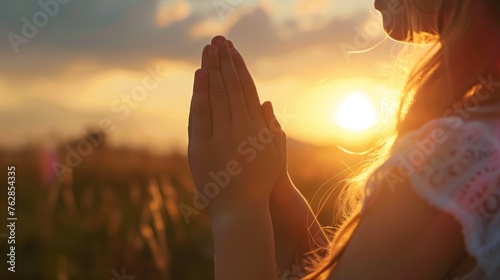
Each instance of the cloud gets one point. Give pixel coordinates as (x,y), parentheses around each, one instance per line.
(131,33)
(68,61)
(168,12)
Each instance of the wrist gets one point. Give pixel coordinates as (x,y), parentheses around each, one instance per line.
(244,244)
(243,211)
(239,215)
(283,192)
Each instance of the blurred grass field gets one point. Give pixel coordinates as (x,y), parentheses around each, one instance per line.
(116,214)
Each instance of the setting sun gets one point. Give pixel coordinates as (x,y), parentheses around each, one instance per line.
(355,113)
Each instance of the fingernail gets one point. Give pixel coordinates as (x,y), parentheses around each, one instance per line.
(220,41)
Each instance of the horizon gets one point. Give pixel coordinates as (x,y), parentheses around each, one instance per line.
(74,73)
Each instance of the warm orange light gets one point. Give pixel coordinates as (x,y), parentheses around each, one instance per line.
(356,112)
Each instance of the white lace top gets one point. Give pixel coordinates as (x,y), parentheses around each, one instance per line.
(454,165)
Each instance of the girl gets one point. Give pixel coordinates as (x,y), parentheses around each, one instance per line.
(426,207)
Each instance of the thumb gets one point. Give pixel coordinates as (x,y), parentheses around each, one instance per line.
(273,125)
(283,135)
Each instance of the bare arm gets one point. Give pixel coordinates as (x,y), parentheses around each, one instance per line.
(296,229)
(401,237)
(244,246)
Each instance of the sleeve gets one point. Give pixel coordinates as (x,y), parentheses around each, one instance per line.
(455,167)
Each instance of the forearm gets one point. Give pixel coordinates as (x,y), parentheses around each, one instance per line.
(296,229)
(244,245)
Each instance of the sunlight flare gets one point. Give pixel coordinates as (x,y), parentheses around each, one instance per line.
(356,112)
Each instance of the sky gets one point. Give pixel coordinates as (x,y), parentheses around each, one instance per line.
(69,65)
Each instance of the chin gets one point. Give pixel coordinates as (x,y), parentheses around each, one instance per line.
(408,37)
(399,35)
(405,38)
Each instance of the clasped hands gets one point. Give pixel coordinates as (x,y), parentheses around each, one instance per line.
(236,145)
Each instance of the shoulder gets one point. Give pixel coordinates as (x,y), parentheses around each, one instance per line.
(453,166)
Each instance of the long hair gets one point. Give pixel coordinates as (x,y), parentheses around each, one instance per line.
(463,51)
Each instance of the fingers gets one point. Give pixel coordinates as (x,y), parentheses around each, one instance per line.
(219,105)
(283,141)
(247,83)
(272,124)
(231,80)
(200,119)
(284,153)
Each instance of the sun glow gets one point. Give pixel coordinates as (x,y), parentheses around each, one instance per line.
(356,112)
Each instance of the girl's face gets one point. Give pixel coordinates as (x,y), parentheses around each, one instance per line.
(404,17)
